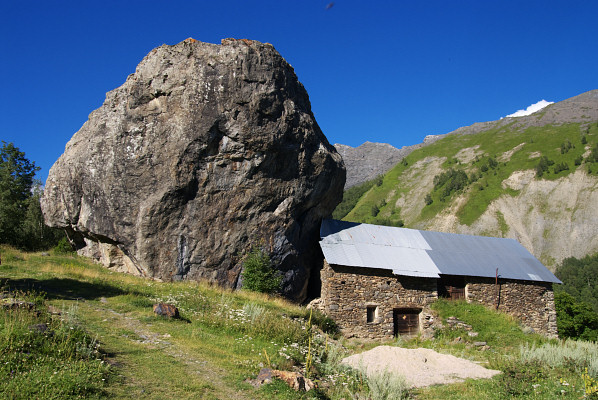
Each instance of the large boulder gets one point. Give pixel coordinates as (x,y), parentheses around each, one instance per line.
(205,151)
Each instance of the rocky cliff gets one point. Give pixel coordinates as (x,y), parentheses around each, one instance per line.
(203,152)
(367,161)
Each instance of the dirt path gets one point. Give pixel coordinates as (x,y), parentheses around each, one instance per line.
(420,367)
(180,364)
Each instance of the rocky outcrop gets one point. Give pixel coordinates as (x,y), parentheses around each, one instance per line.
(203,152)
(369,160)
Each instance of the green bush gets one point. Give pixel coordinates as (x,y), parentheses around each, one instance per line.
(428,199)
(575,319)
(63,247)
(388,386)
(580,279)
(258,273)
(593,157)
(543,165)
(451,181)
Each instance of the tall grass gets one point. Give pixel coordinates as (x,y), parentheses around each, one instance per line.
(44,357)
(579,354)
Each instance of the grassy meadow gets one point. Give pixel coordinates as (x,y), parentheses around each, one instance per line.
(83,331)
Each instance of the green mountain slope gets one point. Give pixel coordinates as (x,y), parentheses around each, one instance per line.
(531,178)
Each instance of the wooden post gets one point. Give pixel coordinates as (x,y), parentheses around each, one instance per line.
(497,290)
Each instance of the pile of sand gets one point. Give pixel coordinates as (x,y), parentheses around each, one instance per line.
(420,367)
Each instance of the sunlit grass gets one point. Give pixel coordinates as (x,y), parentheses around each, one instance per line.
(225,337)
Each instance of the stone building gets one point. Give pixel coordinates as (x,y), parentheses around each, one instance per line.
(379,281)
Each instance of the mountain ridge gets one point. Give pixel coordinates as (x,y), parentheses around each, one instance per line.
(483,179)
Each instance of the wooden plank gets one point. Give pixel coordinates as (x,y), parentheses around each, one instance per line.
(406,321)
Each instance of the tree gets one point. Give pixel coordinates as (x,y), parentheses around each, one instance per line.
(21,220)
(36,234)
(258,273)
(580,279)
(575,319)
(16,184)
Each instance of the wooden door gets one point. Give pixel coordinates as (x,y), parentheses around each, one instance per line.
(451,287)
(406,321)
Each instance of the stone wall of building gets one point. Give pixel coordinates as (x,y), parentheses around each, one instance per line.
(532,303)
(347,292)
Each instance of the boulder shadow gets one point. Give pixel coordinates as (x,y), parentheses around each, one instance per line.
(64,288)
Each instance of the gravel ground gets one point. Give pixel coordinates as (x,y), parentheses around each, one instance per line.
(420,367)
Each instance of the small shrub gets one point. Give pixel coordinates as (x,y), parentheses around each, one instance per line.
(562,166)
(374,210)
(516,379)
(63,247)
(387,386)
(590,385)
(566,146)
(543,165)
(428,199)
(593,157)
(258,273)
(492,163)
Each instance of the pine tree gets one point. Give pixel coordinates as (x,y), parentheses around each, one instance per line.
(16,184)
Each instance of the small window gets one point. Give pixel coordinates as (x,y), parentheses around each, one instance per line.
(388,283)
(343,282)
(372,314)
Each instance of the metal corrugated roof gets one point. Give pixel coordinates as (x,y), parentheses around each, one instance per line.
(413,252)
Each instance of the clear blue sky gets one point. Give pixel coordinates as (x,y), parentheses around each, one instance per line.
(383,71)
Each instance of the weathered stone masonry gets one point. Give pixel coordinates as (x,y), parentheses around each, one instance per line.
(530,302)
(347,292)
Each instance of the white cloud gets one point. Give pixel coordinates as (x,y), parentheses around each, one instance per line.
(531,109)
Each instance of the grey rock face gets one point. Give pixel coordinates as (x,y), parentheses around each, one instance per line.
(368,160)
(204,151)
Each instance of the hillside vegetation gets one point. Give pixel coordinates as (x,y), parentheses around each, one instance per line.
(537,184)
(91,333)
